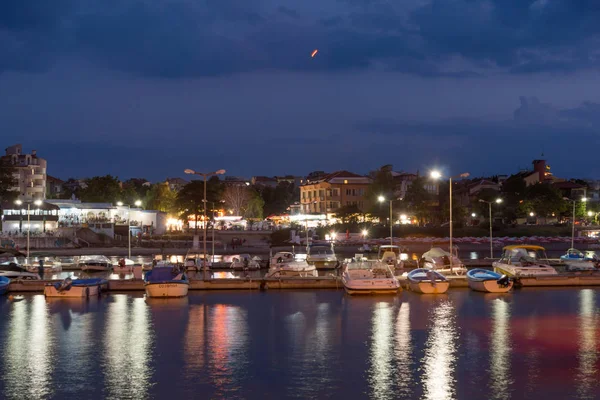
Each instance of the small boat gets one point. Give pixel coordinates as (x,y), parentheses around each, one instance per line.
(576,260)
(14,271)
(166,280)
(74,288)
(390,255)
(4,283)
(50,265)
(321,256)
(124,266)
(523,260)
(443,262)
(284,264)
(95,263)
(427,281)
(245,262)
(362,276)
(483,280)
(193,260)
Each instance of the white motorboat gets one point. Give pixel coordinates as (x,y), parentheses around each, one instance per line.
(14,271)
(74,288)
(483,280)
(166,280)
(284,264)
(194,260)
(245,262)
(321,256)
(94,263)
(576,260)
(369,277)
(124,266)
(390,255)
(523,260)
(443,262)
(427,281)
(50,265)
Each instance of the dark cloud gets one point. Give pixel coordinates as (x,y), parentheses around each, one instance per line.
(183,38)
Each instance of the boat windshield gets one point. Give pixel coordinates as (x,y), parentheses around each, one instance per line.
(321,250)
(523,255)
(393,249)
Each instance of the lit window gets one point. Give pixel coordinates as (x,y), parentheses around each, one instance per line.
(345,181)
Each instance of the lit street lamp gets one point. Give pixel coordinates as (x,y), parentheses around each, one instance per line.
(381,199)
(489,203)
(137,204)
(205,176)
(438,175)
(37,203)
(583,200)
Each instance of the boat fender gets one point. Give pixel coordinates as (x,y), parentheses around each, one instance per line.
(504,281)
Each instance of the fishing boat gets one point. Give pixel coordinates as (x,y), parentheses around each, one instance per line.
(483,280)
(124,266)
(74,288)
(576,260)
(427,281)
(14,271)
(443,261)
(321,256)
(390,255)
(523,260)
(285,264)
(166,280)
(245,262)
(363,276)
(95,263)
(4,283)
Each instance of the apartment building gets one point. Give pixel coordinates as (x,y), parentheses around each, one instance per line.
(30,173)
(327,193)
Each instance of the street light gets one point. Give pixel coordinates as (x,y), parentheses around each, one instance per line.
(137,203)
(37,203)
(583,200)
(438,175)
(205,176)
(489,203)
(381,200)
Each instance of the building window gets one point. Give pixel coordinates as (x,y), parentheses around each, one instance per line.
(336,192)
(345,181)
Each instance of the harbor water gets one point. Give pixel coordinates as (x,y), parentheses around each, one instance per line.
(532,343)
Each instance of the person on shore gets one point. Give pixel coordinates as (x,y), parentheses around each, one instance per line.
(41,269)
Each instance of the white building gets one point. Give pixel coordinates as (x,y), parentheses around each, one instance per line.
(30,173)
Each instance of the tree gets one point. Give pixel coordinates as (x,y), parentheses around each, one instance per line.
(101,189)
(418,199)
(348,214)
(160,197)
(513,197)
(236,198)
(190,199)
(135,189)
(544,200)
(255,206)
(382,185)
(278,199)
(7,181)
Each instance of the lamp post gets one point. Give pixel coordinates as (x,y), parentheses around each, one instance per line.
(37,203)
(438,175)
(137,204)
(381,199)
(583,200)
(205,176)
(489,203)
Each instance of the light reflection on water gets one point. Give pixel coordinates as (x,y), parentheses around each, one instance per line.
(302,344)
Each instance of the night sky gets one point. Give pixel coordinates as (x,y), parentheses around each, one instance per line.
(148,88)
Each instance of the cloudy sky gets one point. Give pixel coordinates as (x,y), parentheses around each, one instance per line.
(147,88)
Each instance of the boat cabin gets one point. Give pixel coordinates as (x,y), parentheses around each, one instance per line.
(523,256)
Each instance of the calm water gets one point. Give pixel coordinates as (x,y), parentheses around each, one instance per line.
(254,345)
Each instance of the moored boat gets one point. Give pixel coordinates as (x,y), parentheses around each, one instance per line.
(14,271)
(576,260)
(94,263)
(244,262)
(50,265)
(427,281)
(4,283)
(74,288)
(369,277)
(523,260)
(483,280)
(390,255)
(165,280)
(443,261)
(194,260)
(322,256)
(284,264)
(124,266)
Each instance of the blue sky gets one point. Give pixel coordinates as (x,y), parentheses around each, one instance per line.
(148,88)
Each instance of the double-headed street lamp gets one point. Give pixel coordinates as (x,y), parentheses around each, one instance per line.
(205,175)
(137,204)
(381,199)
(583,200)
(37,203)
(438,175)
(489,203)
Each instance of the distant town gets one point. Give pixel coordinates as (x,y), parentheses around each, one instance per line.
(103,206)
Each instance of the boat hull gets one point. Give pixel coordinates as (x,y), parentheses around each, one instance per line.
(123,270)
(166,289)
(94,268)
(512,271)
(488,286)
(320,263)
(370,286)
(73,291)
(426,287)
(282,272)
